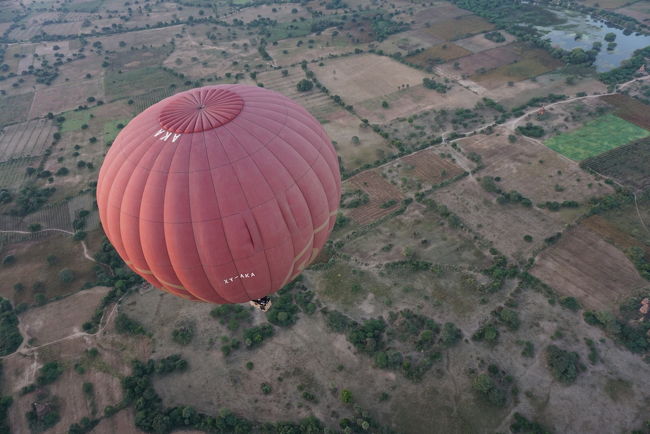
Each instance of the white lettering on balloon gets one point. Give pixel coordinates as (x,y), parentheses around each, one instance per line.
(164,135)
(240,276)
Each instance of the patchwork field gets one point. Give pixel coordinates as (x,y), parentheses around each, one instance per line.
(28,139)
(483,61)
(533,62)
(585,266)
(15,108)
(459,27)
(628,164)
(367,76)
(384,198)
(630,109)
(596,137)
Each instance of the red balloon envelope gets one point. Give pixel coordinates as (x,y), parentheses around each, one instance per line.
(222,193)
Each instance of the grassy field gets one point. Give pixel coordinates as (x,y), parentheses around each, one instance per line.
(459,27)
(133,82)
(442,52)
(111,129)
(596,137)
(534,62)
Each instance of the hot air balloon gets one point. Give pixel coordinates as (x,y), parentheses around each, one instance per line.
(221,194)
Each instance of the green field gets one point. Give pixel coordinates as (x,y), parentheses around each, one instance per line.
(111,129)
(74,120)
(600,135)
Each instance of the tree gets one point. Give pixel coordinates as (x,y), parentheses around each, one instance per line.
(610,37)
(66,275)
(305,85)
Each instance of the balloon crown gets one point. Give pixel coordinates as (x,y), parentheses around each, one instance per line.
(200,109)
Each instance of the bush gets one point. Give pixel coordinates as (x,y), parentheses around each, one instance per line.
(9,260)
(450,334)
(305,85)
(184,334)
(127,326)
(570,303)
(232,315)
(564,365)
(66,275)
(254,336)
(49,373)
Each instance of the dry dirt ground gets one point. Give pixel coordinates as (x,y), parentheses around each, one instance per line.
(55,328)
(585,266)
(502,225)
(341,126)
(365,77)
(532,169)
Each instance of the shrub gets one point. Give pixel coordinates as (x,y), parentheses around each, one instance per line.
(66,275)
(564,365)
(127,326)
(184,334)
(49,373)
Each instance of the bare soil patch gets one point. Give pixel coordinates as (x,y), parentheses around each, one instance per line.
(585,266)
(64,97)
(367,76)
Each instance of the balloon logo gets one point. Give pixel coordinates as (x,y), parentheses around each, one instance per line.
(222,194)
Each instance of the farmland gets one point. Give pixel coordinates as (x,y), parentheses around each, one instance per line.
(630,109)
(28,139)
(596,137)
(459,27)
(584,266)
(627,164)
(467,263)
(384,198)
(437,54)
(533,62)
(15,108)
